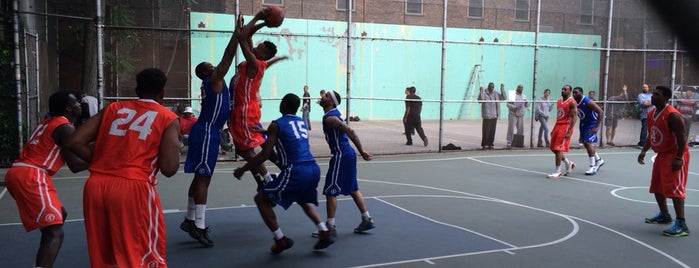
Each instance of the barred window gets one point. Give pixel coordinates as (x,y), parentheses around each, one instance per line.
(475,9)
(522,10)
(413,7)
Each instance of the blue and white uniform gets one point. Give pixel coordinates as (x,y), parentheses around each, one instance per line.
(205,136)
(342,171)
(588,119)
(300,174)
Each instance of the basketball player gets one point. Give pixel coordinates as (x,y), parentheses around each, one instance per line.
(562,131)
(133,140)
(589,111)
(29,179)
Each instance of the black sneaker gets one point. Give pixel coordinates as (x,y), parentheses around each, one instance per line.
(187,226)
(331,228)
(202,235)
(661,218)
(324,240)
(679,229)
(367,224)
(280,245)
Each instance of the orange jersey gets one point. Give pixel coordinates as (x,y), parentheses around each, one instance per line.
(246,102)
(41,151)
(563,109)
(130,132)
(661,139)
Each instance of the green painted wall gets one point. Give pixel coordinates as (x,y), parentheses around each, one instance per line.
(391,57)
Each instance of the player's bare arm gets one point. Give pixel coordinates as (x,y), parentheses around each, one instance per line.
(227,59)
(267,150)
(593,105)
(676,125)
(79,142)
(275,60)
(573,116)
(245,42)
(336,123)
(61,135)
(169,150)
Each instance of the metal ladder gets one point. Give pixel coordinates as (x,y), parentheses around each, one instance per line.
(473,85)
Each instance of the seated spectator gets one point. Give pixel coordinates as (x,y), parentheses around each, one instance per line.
(186,121)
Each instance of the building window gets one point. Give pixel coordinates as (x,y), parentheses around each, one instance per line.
(413,7)
(522,10)
(475,9)
(273,2)
(586,10)
(342,4)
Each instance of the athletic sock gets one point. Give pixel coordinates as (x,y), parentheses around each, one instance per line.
(278,234)
(190,208)
(200,213)
(322,227)
(592,161)
(331,221)
(366,216)
(558,169)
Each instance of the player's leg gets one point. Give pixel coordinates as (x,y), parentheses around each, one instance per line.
(51,241)
(367,222)
(417,124)
(259,172)
(195,219)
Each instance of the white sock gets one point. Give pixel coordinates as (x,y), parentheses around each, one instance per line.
(267,177)
(322,227)
(558,169)
(278,234)
(566,161)
(592,161)
(366,216)
(190,208)
(597,158)
(331,221)
(200,213)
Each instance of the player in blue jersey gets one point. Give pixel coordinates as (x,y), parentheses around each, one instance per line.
(299,175)
(342,171)
(588,112)
(204,138)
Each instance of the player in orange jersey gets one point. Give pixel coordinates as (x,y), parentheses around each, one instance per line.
(134,140)
(29,179)
(563,130)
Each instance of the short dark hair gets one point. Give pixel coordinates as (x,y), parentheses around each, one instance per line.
(59,100)
(412,90)
(665,91)
(290,103)
(578,88)
(271,49)
(150,81)
(199,70)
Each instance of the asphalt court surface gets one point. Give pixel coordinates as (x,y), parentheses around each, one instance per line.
(465,209)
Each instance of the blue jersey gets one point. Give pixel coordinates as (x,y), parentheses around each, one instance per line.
(337,140)
(215,108)
(588,117)
(292,143)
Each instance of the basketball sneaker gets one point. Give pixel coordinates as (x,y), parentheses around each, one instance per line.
(661,218)
(555,175)
(201,235)
(365,225)
(331,228)
(678,229)
(324,240)
(569,167)
(599,163)
(280,245)
(591,171)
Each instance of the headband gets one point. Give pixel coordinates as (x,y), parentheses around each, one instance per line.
(332,95)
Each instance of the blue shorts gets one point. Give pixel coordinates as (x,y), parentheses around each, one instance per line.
(586,134)
(296,183)
(203,150)
(342,175)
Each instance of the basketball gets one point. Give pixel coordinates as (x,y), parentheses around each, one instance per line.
(275,16)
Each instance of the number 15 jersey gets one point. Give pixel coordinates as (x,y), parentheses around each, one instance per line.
(128,140)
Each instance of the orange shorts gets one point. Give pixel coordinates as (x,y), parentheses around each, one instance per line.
(558,139)
(243,136)
(36,198)
(124,222)
(670,183)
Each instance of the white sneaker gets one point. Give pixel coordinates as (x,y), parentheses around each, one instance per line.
(591,171)
(599,163)
(569,168)
(555,175)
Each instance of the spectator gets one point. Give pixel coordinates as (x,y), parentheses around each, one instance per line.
(411,118)
(187,120)
(515,117)
(490,111)
(613,112)
(306,107)
(687,106)
(543,110)
(644,105)
(591,95)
